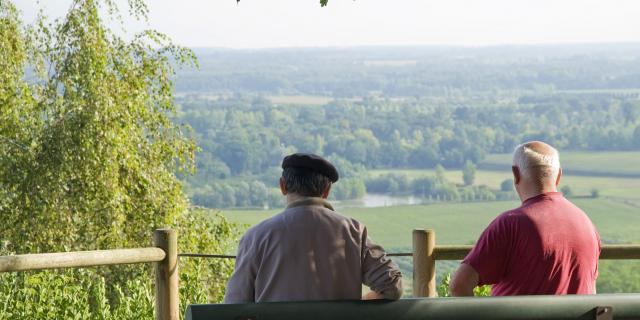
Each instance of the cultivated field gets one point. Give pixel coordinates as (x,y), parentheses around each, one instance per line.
(613,163)
(613,187)
(616,213)
(461,223)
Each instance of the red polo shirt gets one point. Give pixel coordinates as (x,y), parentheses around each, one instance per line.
(546,246)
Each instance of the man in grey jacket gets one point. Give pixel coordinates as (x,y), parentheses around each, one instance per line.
(310,252)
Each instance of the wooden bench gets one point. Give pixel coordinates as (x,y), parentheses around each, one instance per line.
(600,307)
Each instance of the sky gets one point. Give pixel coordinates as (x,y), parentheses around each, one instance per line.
(303,23)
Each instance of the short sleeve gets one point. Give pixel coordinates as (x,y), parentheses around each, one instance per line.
(241,285)
(489,255)
(596,273)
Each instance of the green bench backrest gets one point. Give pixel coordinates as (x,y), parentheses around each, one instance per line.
(622,306)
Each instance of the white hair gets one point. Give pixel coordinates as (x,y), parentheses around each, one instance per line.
(525,158)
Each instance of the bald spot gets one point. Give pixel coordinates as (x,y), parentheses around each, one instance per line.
(540,161)
(541,148)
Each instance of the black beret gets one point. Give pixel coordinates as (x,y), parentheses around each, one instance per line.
(312,162)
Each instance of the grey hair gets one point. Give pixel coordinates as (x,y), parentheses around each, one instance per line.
(305,182)
(526,158)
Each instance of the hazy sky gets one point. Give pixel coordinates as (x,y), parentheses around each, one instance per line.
(292,23)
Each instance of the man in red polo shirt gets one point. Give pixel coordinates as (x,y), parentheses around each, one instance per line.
(546,246)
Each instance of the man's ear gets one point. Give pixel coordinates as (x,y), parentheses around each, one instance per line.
(327,190)
(559,176)
(516,174)
(283,187)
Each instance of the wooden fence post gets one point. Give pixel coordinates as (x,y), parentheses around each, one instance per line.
(424,264)
(167,298)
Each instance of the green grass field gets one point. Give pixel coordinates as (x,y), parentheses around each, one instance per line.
(614,187)
(596,162)
(616,213)
(462,223)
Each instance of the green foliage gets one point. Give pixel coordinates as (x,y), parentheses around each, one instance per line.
(482,291)
(618,277)
(204,280)
(443,288)
(88,156)
(348,188)
(245,137)
(567,191)
(92,294)
(390,183)
(468,173)
(98,145)
(507,185)
(73,294)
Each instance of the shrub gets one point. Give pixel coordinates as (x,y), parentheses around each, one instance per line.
(92,294)
(566,191)
(443,288)
(506,185)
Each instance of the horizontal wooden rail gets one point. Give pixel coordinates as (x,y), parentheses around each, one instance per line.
(447,252)
(609,252)
(79,259)
(620,251)
(206,255)
(458,252)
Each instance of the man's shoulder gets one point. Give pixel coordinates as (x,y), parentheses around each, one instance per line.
(512,215)
(264,225)
(319,212)
(288,215)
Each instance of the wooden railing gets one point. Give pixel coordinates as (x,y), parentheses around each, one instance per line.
(164,255)
(426,253)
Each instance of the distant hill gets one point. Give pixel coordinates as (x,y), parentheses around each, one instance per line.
(413,71)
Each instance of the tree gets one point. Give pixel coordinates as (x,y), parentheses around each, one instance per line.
(506,185)
(439,174)
(101,146)
(566,191)
(636,138)
(468,173)
(88,151)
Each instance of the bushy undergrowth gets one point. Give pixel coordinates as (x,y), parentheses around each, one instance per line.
(73,294)
(443,288)
(122,292)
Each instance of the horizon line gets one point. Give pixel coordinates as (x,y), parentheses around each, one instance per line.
(434,45)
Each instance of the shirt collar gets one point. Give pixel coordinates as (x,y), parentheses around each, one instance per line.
(311,201)
(542,196)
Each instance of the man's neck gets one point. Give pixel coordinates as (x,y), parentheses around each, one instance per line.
(533,192)
(293,197)
(296,201)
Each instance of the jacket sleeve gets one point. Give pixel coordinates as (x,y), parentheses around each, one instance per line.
(378,272)
(241,285)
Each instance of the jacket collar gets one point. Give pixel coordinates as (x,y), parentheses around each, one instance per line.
(311,201)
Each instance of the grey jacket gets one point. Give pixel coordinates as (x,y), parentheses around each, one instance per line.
(309,252)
